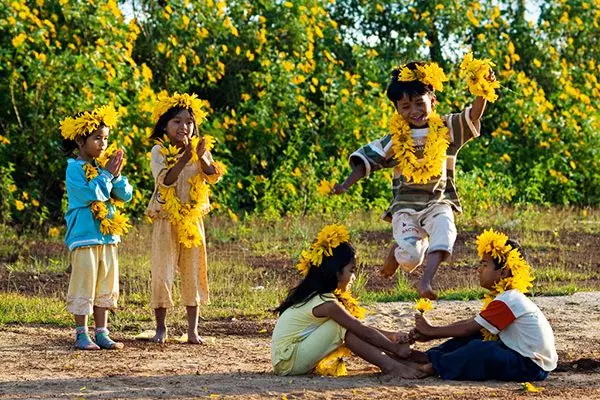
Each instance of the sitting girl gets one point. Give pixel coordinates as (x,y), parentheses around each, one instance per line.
(509,340)
(316,317)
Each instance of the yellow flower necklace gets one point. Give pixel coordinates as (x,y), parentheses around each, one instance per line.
(330,237)
(118,223)
(186,216)
(494,243)
(434,154)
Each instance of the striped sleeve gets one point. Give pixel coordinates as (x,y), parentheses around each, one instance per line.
(496,317)
(376,155)
(461,127)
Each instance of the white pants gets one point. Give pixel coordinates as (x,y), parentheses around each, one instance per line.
(426,231)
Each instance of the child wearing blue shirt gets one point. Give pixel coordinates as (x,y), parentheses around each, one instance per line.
(95,187)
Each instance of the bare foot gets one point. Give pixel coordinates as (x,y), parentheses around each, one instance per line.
(427,369)
(194,338)
(419,357)
(404,372)
(425,290)
(160,337)
(390,265)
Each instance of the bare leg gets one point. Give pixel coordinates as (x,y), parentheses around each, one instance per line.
(161,325)
(376,356)
(192,318)
(81,320)
(100,317)
(434,259)
(390,265)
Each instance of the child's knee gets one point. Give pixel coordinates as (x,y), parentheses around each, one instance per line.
(408,258)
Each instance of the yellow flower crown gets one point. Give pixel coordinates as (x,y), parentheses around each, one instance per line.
(88,122)
(164,103)
(328,239)
(494,243)
(428,74)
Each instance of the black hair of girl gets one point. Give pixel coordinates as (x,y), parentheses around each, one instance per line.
(69,145)
(320,280)
(398,89)
(160,129)
(515,245)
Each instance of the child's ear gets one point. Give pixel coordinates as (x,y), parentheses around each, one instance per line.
(433,100)
(79,141)
(505,273)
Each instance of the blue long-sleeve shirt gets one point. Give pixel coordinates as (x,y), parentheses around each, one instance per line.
(82,228)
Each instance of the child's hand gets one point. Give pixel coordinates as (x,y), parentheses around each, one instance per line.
(422,326)
(187,149)
(201,149)
(339,189)
(491,77)
(115,164)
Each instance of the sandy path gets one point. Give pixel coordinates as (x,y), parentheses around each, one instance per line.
(38,362)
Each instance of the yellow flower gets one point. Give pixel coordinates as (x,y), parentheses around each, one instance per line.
(434,154)
(432,74)
(35,203)
(329,238)
(17,41)
(325,187)
(165,102)
(19,205)
(88,122)
(53,232)
(528,387)
(423,305)
(12,188)
(477,72)
(333,364)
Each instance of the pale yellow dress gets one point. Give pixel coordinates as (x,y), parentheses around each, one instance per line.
(168,254)
(300,340)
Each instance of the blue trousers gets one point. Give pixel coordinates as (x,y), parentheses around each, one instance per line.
(473,359)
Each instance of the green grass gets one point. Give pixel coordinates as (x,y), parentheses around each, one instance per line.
(241,290)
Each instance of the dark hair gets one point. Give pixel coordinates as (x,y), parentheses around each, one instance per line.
(320,280)
(398,89)
(515,245)
(70,145)
(160,128)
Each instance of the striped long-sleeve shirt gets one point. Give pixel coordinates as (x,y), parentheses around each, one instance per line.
(409,195)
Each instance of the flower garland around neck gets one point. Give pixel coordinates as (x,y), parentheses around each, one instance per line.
(431,165)
(117,223)
(494,244)
(185,216)
(330,237)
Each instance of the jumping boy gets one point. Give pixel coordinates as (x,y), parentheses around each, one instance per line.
(422,148)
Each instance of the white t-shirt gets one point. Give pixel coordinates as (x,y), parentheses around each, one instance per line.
(521,326)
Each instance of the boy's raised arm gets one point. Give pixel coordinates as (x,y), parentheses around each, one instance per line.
(479,103)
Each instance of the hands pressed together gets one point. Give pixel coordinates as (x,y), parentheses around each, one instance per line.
(115,163)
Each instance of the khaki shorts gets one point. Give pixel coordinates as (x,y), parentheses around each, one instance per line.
(94,279)
(418,233)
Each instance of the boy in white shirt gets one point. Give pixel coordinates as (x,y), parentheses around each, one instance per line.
(509,340)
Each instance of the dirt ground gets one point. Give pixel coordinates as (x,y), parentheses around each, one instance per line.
(38,362)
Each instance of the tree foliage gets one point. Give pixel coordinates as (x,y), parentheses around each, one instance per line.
(294,88)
